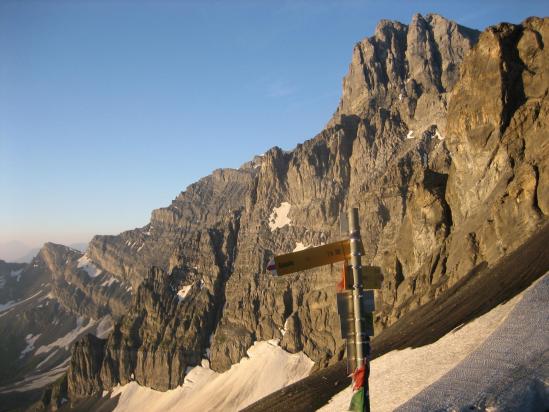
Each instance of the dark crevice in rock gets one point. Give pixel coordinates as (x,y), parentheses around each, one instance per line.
(288,303)
(433,268)
(511,70)
(436,59)
(535,202)
(399,275)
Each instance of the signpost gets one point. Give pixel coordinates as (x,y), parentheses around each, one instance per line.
(354,304)
(361,397)
(312,257)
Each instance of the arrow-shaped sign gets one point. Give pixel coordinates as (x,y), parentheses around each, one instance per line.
(312,257)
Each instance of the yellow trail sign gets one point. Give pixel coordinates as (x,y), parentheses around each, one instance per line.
(313,257)
(371,277)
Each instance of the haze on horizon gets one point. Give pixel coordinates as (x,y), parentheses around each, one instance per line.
(109,110)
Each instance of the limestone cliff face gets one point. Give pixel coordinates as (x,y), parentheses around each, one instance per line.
(406,68)
(439,140)
(81,286)
(497,137)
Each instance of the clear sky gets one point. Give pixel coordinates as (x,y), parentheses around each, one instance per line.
(108,109)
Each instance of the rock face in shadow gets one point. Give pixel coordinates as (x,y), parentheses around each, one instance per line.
(153,344)
(94,295)
(439,139)
(83,374)
(45,306)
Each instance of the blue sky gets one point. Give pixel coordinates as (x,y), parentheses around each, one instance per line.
(108,109)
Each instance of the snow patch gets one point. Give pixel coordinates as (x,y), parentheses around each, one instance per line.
(279,216)
(16,274)
(410,135)
(51,355)
(183,292)
(11,304)
(266,369)
(70,337)
(30,339)
(85,263)
(109,282)
(285,327)
(438,135)
(39,380)
(8,305)
(300,246)
(104,327)
(399,375)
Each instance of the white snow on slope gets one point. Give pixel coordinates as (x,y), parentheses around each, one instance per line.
(11,304)
(16,274)
(46,359)
(38,380)
(183,292)
(299,246)
(410,135)
(85,263)
(509,371)
(399,375)
(279,216)
(66,340)
(30,339)
(104,327)
(109,282)
(267,369)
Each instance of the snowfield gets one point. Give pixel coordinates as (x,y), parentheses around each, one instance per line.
(16,274)
(104,327)
(183,292)
(6,307)
(267,369)
(85,263)
(279,216)
(30,339)
(38,380)
(65,341)
(493,363)
(300,246)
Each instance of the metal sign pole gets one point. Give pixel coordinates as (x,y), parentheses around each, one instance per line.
(354,308)
(362,341)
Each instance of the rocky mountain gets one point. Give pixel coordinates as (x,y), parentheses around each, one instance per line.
(45,306)
(439,139)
